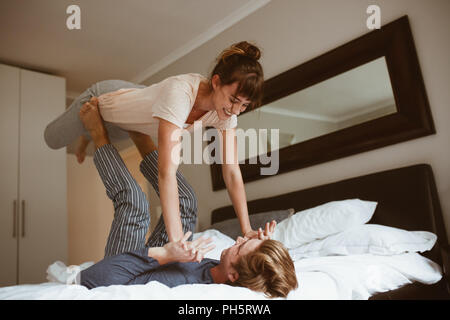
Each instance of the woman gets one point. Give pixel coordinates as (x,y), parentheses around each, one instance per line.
(260,265)
(162,109)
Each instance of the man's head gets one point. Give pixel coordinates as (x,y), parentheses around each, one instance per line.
(260,265)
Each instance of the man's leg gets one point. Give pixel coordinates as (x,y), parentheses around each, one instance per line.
(131,213)
(187,197)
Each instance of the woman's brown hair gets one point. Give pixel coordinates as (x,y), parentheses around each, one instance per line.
(268,269)
(239,63)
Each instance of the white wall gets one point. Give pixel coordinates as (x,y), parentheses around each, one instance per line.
(90,212)
(291,32)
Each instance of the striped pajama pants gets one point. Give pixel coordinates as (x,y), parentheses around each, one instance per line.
(131,209)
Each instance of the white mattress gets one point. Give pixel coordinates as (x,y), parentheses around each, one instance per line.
(320,278)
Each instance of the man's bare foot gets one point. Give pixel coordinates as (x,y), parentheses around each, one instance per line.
(93,122)
(80,151)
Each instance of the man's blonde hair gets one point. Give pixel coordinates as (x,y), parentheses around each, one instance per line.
(268,269)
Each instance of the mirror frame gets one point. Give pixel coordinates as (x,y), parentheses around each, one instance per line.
(412,120)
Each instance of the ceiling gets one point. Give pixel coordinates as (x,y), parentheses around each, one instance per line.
(128,40)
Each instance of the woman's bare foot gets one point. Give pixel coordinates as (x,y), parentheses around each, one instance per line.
(80,151)
(93,122)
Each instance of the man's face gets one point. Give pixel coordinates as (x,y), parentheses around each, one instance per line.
(242,247)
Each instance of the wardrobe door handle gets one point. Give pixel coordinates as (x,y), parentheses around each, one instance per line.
(14,218)
(23,218)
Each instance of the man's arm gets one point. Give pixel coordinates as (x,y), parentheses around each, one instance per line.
(182,250)
(123,268)
(118,269)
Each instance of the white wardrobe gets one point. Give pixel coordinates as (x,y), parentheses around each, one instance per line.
(33,197)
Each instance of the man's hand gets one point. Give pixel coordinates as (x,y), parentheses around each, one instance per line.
(265,234)
(187,251)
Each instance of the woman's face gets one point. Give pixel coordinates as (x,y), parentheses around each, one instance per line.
(226,103)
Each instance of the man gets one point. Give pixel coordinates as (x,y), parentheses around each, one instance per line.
(259,264)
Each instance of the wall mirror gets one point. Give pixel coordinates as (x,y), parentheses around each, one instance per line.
(363,95)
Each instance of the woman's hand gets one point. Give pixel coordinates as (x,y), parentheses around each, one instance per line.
(265,234)
(187,251)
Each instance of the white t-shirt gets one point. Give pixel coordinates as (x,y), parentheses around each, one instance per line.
(172,99)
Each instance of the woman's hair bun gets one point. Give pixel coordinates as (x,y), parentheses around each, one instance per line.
(239,63)
(242,48)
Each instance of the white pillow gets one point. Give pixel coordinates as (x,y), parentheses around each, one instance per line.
(368,238)
(324,220)
(220,240)
(360,276)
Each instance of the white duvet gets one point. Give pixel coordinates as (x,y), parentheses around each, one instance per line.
(324,278)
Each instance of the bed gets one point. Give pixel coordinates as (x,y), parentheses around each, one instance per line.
(406,198)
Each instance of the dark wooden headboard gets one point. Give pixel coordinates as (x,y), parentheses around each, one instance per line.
(407,199)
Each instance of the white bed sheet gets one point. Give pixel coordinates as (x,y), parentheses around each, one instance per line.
(315,286)
(320,278)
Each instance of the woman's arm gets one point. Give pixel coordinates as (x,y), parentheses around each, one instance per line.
(169,147)
(233,178)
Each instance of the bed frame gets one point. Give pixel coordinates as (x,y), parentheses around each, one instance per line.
(407,198)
